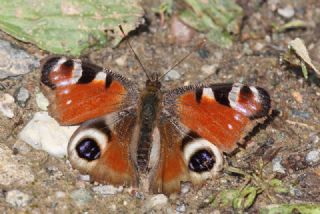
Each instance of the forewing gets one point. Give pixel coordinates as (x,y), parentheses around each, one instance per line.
(80,91)
(222,114)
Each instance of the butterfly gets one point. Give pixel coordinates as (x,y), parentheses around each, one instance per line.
(148,138)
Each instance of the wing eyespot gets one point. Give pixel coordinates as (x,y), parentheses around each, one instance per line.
(88,149)
(203,158)
(85,148)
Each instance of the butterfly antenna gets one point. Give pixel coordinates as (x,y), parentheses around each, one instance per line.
(183,58)
(134,53)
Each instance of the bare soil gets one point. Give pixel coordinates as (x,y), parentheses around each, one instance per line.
(293,131)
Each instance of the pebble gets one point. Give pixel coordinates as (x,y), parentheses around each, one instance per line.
(107,189)
(185,187)
(172,75)
(286,12)
(84,177)
(181,208)
(122,60)
(60,194)
(209,69)
(301,114)
(17,198)
(13,168)
(276,165)
(81,196)
(22,95)
(203,53)
(44,133)
(14,62)
(6,105)
(42,101)
(156,202)
(21,147)
(180,33)
(313,157)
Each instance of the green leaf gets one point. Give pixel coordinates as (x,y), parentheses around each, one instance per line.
(291,208)
(68,26)
(218,19)
(239,199)
(304,70)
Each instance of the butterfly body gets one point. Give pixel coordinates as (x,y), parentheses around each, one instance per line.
(150,137)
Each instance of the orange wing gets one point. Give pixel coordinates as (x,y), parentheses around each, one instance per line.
(197,124)
(222,114)
(101,148)
(81,91)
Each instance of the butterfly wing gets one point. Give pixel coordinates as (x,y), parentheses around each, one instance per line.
(198,123)
(105,104)
(101,148)
(81,91)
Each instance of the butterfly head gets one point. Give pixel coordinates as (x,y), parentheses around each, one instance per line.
(154,82)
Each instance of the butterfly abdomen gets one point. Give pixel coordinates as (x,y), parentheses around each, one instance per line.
(148,116)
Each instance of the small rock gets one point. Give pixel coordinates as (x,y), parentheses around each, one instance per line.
(81,196)
(246,49)
(156,202)
(13,168)
(60,194)
(107,189)
(172,75)
(297,96)
(313,157)
(14,62)
(84,177)
(314,138)
(21,147)
(203,53)
(44,133)
(6,105)
(17,198)
(301,114)
(180,32)
(185,187)
(181,208)
(286,12)
(276,165)
(22,96)
(209,69)
(42,101)
(258,46)
(121,61)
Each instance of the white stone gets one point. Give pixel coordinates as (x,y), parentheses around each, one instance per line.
(276,165)
(313,156)
(6,105)
(107,189)
(22,95)
(185,187)
(156,202)
(13,168)
(44,133)
(17,198)
(181,208)
(121,61)
(286,12)
(209,69)
(172,75)
(42,101)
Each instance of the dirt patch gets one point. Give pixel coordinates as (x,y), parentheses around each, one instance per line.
(254,59)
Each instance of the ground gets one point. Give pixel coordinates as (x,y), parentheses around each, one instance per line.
(288,136)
